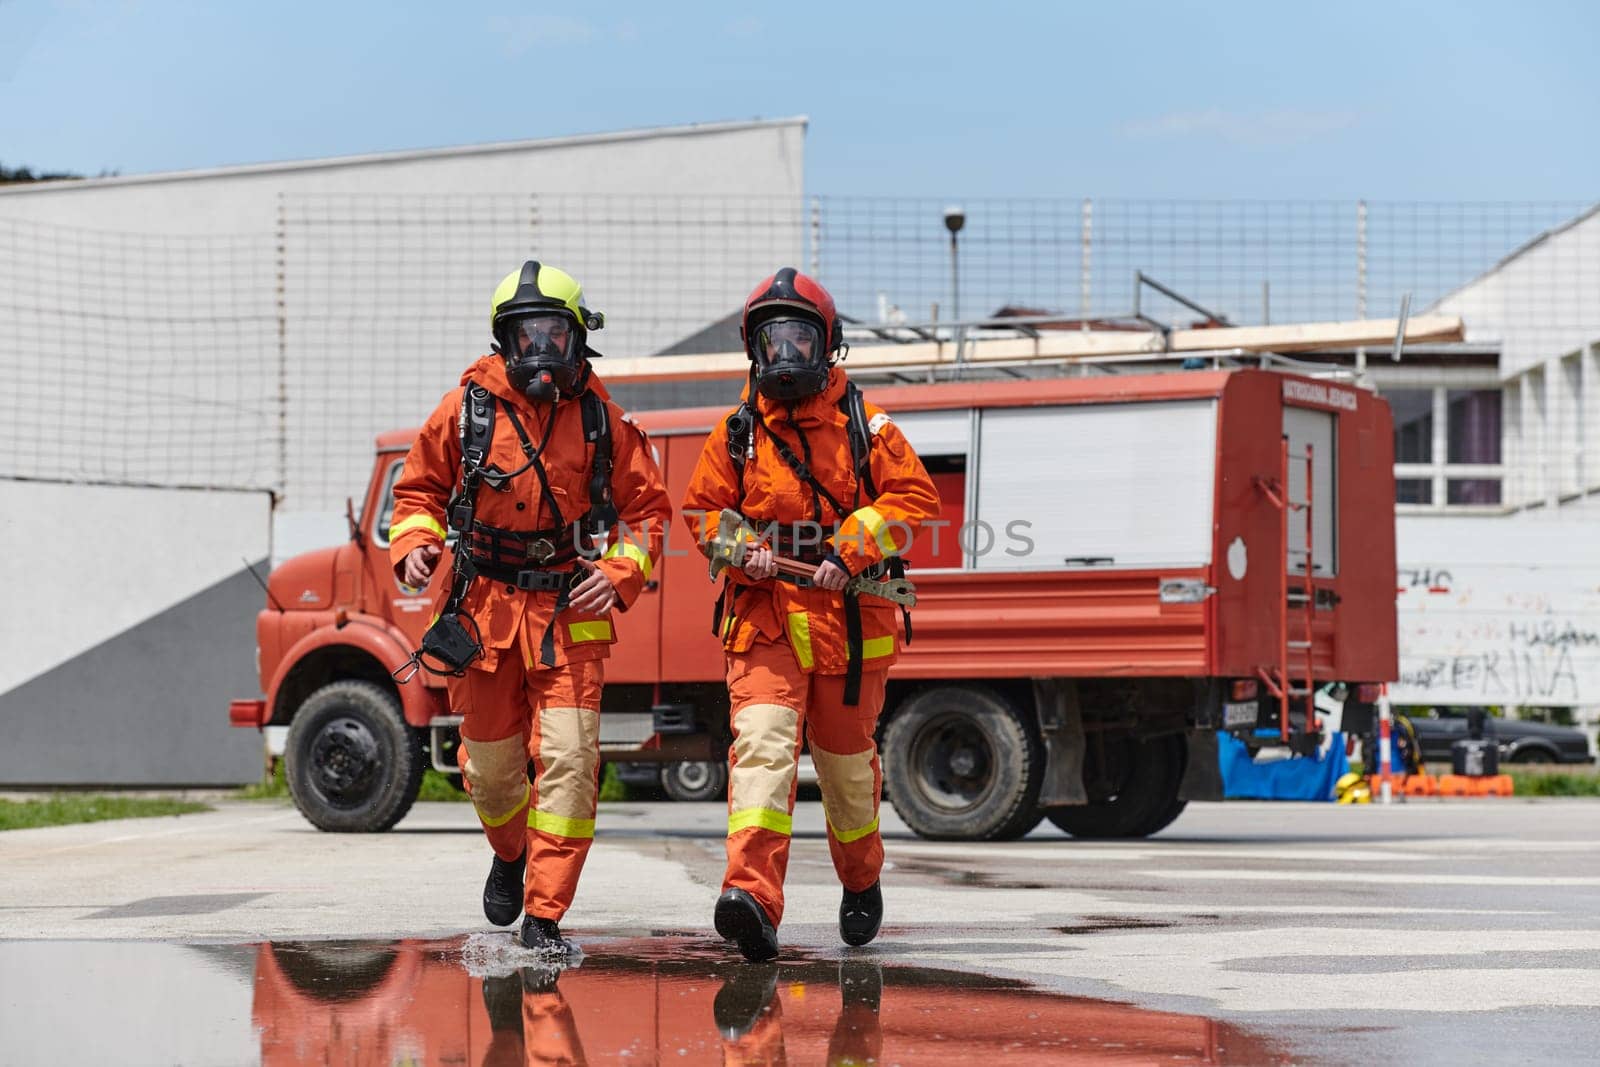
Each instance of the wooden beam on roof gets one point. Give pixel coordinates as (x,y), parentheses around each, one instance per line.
(1067,346)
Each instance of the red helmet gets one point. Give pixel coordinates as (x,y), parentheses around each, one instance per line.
(790,332)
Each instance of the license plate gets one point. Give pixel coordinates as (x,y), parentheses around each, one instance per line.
(1239,714)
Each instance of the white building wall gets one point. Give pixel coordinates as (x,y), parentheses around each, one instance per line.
(762,158)
(258,326)
(1499,611)
(1540,302)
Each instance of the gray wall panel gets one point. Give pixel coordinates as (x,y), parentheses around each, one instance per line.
(148,707)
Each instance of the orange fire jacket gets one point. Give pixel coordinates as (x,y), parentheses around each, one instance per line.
(504,613)
(812,621)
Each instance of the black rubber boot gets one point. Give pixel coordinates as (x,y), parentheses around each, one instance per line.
(741,919)
(502,893)
(861,983)
(860,915)
(744,997)
(502,999)
(543,935)
(536,980)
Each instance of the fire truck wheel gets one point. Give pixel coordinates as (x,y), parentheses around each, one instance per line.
(965,763)
(695,780)
(1132,786)
(333,970)
(353,764)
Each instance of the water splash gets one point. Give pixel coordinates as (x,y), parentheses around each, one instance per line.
(494,955)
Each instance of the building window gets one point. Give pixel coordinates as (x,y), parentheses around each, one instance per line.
(1474,439)
(1413,491)
(1447,447)
(1413,424)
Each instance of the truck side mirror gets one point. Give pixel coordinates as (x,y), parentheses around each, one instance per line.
(355,527)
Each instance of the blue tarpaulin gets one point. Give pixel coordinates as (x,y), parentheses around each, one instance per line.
(1301,778)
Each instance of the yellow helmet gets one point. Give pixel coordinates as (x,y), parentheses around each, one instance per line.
(1352,788)
(541,328)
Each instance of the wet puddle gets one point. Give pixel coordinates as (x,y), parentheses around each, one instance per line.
(480,1000)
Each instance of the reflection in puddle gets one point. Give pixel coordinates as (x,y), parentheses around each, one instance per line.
(672,1000)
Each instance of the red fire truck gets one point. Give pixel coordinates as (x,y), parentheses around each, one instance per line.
(1126,564)
(352,1002)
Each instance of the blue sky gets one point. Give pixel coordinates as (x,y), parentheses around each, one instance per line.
(1396,100)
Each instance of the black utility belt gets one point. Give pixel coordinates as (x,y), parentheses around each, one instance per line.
(532,580)
(543,547)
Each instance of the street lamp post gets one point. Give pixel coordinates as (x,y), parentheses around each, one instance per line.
(954,219)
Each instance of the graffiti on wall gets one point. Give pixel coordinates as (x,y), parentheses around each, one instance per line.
(1498,634)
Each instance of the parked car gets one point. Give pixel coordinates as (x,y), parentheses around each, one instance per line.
(1519,741)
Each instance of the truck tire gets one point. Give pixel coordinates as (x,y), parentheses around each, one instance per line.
(1134,796)
(689,780)
(966,765)
(353,764)
(333,970)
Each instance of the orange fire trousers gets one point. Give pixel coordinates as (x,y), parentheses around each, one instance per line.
(512,715)
(774,704)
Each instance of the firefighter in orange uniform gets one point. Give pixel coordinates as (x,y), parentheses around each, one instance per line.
(826,478)
(560,509)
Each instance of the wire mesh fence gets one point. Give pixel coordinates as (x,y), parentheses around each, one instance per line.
(270,360)
(1251,262)
(141,359)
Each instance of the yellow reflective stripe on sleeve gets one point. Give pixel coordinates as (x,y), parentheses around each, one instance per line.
(599,630)
(844,837)
(420,521)
(800,638)
(876,647)
(625,549)
(559,825)
(727,625)
(766,818)
(501,820)
(875,524)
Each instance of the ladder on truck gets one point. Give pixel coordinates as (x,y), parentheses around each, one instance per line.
(1299,603)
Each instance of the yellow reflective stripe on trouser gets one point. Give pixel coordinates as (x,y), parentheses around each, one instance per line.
(501,820)
(800,638)
(849,791)
(877,647)
(766,818)
(875,524)
(560,825)
(420,521)
(599,630)
(497,778)
(844,837)
(626,549)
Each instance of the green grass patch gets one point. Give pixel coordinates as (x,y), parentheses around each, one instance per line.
(612,787)
(1585,783)
(60,809)
(271,788)
(435,786)
(439,786)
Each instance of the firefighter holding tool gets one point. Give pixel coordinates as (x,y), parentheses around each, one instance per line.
(559,510)
(822,495)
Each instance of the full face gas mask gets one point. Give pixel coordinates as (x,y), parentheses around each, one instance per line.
(790,358)
(542,351)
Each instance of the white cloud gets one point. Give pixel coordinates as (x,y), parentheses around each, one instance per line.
(522,33)
(1261,129)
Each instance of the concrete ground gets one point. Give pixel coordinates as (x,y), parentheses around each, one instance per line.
(1466,931)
